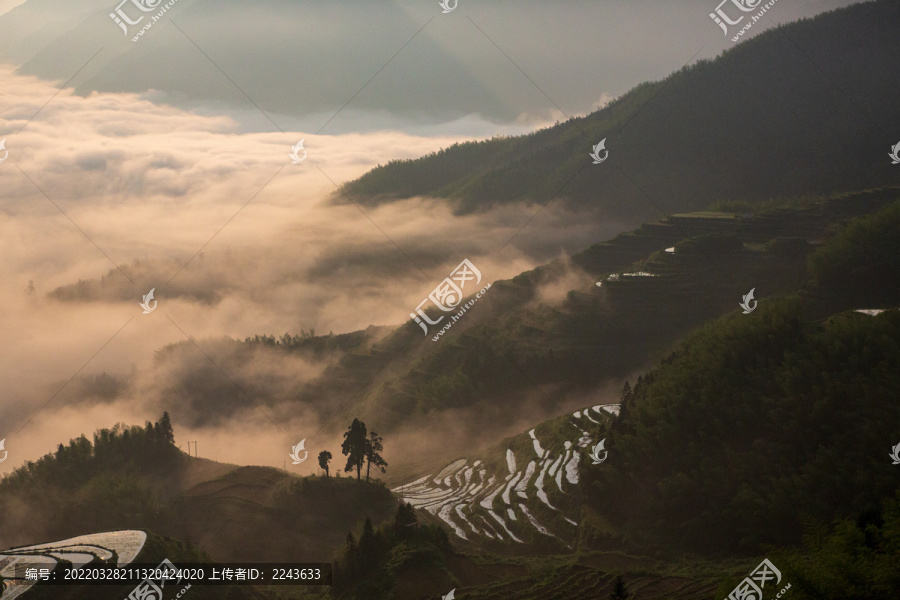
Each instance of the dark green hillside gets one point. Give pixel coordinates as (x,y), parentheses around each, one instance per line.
(366,564)
(201,395)
(859,267)
(856,560)
(720,129)
(753,425)
(517,346)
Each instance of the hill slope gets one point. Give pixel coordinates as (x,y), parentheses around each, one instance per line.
(752,425)
(128,479)
(720,129)
(517,344)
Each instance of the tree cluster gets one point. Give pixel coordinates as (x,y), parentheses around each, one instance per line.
(365,567)
(107,483)
(134,449)
(858,266)
(855,559)
(361,447)
(753,427)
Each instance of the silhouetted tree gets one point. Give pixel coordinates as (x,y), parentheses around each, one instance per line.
(618,592)
(324,457)
(165,429)
(404,522)
(373,447)
(351,552)
(368,555)
(354,447)
(626,393)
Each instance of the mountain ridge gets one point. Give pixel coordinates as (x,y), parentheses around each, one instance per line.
(688,163)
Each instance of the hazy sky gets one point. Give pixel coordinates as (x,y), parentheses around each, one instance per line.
(179,142)
(483,68)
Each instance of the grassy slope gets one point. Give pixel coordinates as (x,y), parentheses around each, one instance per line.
(246,514)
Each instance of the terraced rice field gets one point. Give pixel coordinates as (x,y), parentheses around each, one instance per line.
(531,498)
(587,583)
(121,547)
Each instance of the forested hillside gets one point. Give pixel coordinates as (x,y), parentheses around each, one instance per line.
(135,478)
(753,425)
(740,118)
(110,483)
(859,266)
(756,424)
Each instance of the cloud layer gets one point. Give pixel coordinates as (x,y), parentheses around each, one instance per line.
(110,195)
